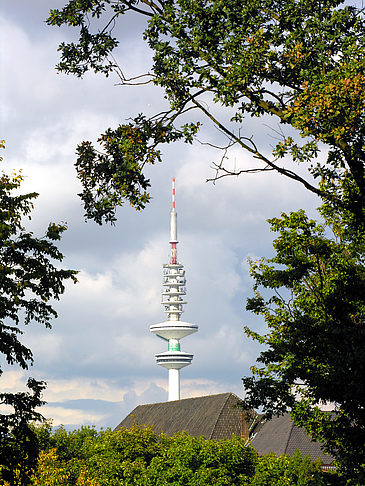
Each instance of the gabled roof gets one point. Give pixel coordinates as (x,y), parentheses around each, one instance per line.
(218,417)
(281,436)
(212,416)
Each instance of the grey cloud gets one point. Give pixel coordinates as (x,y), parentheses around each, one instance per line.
(103,327)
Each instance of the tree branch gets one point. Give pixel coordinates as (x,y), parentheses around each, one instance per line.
(138,10)
(257,155)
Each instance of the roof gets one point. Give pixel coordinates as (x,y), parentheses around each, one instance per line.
(212,416)
(281,436)
(218,417)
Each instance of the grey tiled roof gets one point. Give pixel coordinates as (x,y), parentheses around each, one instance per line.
(281,436)
(212,416)
(218,417)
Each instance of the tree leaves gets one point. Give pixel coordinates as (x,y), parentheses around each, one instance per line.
(299,62)
(115,175)
(19,445)
(28,278)
(136,456)
(314,353)
(28,281)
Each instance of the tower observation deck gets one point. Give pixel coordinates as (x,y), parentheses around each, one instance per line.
(173,329)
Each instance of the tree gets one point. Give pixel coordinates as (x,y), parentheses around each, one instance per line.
(298,62)
(290,471)
(19,445)
(28,281)
(136,456)
(312,297)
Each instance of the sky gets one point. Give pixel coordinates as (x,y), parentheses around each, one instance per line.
(98,358)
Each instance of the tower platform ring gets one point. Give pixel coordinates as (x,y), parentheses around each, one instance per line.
(173,329)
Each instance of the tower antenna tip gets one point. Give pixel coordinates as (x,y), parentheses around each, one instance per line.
(173,193)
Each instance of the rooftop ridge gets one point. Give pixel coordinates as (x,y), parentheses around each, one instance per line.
(289,436)
(220,413)
(197,416)
(189,398)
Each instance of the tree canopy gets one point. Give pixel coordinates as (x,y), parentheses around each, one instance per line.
(29,280)
(312,297)
(298,62)
(137,456)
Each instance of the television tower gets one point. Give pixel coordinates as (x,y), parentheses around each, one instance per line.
(173,329)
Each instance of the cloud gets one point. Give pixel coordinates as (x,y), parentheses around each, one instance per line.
(102,403)
(200,387)
(99,359)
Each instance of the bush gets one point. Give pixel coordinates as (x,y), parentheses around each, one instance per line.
(138,457)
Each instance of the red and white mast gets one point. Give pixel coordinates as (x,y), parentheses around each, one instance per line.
(173,329)
(173,228)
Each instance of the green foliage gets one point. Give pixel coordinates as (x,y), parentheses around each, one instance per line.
(49,471)
(111,176)
(108,457)
(28,281)
(28,278)
(314,305)
(286,471)
(187,460)
(137,456)
(19,447)
(300,62)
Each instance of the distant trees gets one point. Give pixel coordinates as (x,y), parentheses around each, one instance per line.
(138,457)
(28,281)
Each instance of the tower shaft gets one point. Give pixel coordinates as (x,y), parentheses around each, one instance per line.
(174,384)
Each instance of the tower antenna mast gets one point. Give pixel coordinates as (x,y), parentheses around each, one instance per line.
(173,329)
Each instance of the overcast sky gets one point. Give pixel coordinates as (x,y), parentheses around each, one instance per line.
(98,359)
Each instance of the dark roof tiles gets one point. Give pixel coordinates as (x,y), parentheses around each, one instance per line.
(212,416)
(218,417)
(281,436)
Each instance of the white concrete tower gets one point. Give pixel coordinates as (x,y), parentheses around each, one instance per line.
(173,329)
